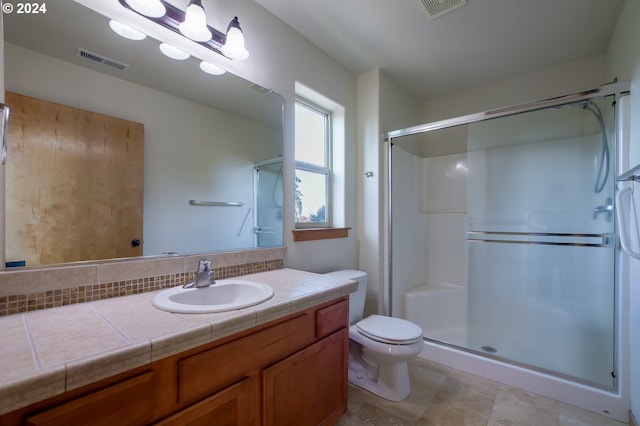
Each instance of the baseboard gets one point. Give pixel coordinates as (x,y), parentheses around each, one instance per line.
(632,419)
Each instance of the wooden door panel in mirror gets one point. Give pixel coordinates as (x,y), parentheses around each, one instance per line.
(77,184)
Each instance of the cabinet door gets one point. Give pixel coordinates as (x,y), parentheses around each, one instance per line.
(234,405)
(126,403)
(233,360)
(309,387)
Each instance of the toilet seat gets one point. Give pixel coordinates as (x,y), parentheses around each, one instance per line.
(395,331)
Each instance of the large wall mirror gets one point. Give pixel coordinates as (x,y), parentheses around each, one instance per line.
(211,177)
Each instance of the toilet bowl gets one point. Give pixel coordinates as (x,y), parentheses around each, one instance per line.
(379,346)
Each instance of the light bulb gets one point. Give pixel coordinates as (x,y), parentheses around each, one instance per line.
(150,8)
(210,68)
(195,22)
(126,31)
(234,44)
(173,52)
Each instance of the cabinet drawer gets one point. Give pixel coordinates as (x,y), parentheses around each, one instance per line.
(234,405)
(332,318)
(129,402)
(208,371)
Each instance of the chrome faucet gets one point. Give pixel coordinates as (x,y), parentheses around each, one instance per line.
(607,209)
(204,275)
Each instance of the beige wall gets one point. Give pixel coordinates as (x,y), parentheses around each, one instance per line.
(2,169)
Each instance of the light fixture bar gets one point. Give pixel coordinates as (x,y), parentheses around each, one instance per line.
(172,19)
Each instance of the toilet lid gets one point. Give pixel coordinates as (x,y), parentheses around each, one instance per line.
(389,330)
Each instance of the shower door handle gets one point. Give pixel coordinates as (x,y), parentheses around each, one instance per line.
(555,239)
(623,231)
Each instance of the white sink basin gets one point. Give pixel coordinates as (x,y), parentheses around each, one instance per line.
(224,295)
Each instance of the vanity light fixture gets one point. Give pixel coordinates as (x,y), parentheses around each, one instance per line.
(173,52)
(210,68)
(192,24)
(126,31)
(234,42)
(150,8)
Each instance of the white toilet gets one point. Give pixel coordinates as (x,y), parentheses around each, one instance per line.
(379,346)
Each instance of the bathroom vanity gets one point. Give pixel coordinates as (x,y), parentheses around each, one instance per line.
(289,369)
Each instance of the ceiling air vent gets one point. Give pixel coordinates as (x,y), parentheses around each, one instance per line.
(437,8)
(101,59)
(260,89)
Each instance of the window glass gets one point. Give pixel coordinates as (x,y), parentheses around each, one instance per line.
(312,147)
(311,133)
(311,197)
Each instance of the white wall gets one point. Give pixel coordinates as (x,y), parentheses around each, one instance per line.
(280,57)
(562,79)
(187,151)
(623,62)
(383,106)
(370,254)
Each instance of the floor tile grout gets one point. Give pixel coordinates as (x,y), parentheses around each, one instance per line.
(443,396)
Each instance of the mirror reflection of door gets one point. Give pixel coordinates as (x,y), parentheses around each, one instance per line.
(77,184)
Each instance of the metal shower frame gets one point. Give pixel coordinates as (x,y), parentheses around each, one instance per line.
(614,88)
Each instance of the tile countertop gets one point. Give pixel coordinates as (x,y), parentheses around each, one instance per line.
(45,353)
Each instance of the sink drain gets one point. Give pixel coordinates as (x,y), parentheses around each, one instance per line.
(489,349)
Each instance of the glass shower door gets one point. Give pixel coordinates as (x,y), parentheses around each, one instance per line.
(269,204)
(540,240)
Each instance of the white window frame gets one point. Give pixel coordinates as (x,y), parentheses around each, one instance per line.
(317,169)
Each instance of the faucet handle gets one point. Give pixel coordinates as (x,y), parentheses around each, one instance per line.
(204,265)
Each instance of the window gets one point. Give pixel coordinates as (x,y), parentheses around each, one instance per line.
(313,165)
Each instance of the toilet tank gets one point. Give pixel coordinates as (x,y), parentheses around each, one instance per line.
(356,299)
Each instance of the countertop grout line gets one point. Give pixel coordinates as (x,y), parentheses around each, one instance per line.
(32,343)
(116,329)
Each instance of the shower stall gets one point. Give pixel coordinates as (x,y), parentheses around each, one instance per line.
(268,216)
(503,246)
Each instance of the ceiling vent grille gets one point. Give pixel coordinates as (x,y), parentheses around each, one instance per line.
(101,59)
(437,8)
(260,89)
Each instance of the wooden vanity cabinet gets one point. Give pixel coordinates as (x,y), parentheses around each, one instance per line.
(234,405)
(128,400)
(291,371)
(308,385)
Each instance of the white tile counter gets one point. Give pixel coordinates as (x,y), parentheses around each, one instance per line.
(45,353)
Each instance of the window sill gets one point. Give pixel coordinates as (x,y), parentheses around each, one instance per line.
(311,234)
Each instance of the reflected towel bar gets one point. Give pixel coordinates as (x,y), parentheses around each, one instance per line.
(216,203)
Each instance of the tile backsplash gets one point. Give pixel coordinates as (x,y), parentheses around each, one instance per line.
(23,290)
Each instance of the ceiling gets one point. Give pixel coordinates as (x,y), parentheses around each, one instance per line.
(478,43)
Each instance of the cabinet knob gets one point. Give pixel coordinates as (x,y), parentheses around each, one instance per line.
(135,242)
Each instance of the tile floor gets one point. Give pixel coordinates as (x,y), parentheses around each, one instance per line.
(442,396)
